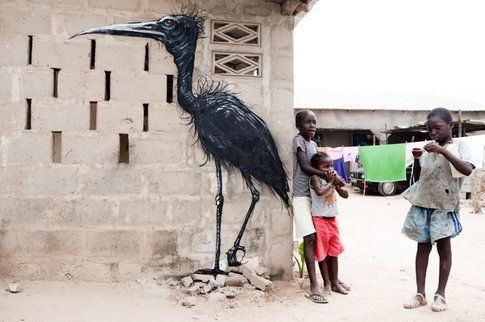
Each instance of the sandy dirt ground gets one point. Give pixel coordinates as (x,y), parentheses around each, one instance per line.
(378,262)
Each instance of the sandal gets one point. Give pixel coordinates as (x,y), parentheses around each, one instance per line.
(415,302)
(346,286)
(317,298)
(439,304)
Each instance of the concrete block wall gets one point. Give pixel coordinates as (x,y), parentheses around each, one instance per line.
(89,217)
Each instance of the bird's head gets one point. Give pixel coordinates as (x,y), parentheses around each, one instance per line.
(176,32)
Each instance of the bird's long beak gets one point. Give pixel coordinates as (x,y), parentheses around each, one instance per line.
(146,29)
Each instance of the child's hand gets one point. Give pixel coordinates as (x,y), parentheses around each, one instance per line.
(339,182)
(330,177)
(433,147)
(417,152)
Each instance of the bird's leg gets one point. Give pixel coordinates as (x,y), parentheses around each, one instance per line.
(232,253)
(219,203)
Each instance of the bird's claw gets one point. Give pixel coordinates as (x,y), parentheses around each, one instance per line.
(232,255)
(211,271)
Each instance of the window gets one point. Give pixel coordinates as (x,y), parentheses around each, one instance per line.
(236,64)
(238,33)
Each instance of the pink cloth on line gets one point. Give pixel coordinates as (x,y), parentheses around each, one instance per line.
(350,153)
(334,153)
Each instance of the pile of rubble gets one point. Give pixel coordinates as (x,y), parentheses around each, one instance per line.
(250,276)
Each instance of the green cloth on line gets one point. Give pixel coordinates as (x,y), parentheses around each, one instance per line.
(383,163)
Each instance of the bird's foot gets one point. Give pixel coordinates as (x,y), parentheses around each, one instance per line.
(235,255)
(211,271)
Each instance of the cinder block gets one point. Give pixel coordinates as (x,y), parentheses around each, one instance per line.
(13,116)
(38,180)
(112,181)
(140,87)
(282,67)
(14,50)
(26,22)
(159,149)
(162,243)
(163,7)
(29,83)
(186,212)
(84,86)
(29,147)
(259,10)
(145,211)
(22,212)
(71,23)
(52,242)
(167,118)
(281,41)
(50,114)
(117,116)
(70,54)
(120,56)
(129,5)
(90,148)
(280,260)
(81,212)
(160,61)
(161,181)
(114,243)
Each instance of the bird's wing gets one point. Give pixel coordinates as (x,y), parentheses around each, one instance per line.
(236,135)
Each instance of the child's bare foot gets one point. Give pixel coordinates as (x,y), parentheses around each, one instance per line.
(439,304)
(346,286)
(417,301)
(336,287)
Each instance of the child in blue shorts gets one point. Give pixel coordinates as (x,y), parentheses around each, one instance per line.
(434,217)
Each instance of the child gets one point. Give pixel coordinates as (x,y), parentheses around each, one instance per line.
(324,212)
(303,149)
(433,217)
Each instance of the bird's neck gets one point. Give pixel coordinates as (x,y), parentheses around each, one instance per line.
(185,66)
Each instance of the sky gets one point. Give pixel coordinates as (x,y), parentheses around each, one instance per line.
(391,53)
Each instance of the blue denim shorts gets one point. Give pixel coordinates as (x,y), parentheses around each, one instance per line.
(425,225)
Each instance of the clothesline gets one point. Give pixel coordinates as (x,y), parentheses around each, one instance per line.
(388,162)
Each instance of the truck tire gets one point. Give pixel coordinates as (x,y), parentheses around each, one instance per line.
(386,188)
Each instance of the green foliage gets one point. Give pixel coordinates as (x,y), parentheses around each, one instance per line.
(300,260)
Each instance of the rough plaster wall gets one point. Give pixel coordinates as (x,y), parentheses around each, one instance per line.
(90,217)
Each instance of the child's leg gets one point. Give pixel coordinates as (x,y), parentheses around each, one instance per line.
(333,272)
(325,275)
(444,251)
(308,244)
(422,257)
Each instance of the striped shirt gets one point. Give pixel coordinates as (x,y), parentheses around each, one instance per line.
(301,186)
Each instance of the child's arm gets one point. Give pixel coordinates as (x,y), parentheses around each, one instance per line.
(319,190)
(305,165)
(417,152)
(460,165)
(342,192)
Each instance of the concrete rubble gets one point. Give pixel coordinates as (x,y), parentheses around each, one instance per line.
(250,276)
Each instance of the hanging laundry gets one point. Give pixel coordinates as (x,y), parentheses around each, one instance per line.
(350,153)
(476,147)
(338,166)
(384,163)
(334,153)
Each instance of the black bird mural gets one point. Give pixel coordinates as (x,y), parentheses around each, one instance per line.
(228,131)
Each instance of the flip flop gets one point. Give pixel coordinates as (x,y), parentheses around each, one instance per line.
(316,298)
(415,303)
(439,304)
(346,286)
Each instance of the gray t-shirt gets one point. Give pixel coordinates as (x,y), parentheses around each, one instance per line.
(326,205)
(301,186)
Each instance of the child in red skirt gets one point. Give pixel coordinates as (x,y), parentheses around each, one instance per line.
(324,212)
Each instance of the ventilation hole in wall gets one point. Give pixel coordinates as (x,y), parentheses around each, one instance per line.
(93,115)
(92,63)
(107,85)
(55,92)
(56,146)
(147,58)
(31,44)
(124,149)
(145,117)
(169,88)
(28,117)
